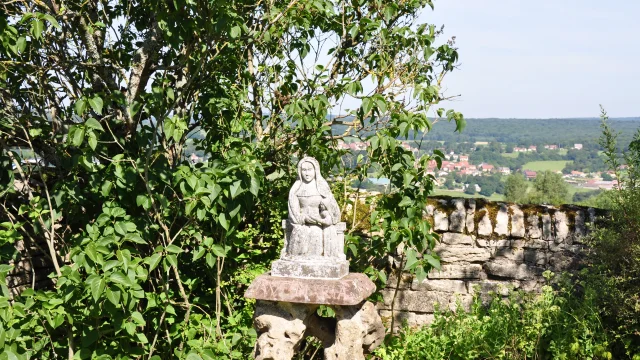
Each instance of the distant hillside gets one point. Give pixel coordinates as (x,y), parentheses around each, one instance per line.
(564,132)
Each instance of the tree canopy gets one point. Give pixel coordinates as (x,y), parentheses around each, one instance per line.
(151,251)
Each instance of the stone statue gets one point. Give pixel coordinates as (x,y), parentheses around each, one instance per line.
(313,214)
(313,271)
(314,235)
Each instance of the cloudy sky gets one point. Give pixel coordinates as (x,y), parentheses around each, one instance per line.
(544,58)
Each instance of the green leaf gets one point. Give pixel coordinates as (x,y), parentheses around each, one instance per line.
(37,27)
(97,288)
(189,207)
(113,296)
(119,278)
(106,188)
(110,265)
(235,32)
(135,238)
(173,249)
(138,318)
(80,106)
(21,44)
(96,104)
(52,21)
(432,261)
(168,128)
(420,274)
(412,260)
(406,201)
(383,276)
(142,338)
(222,219)
(172,259)
(92,123)
(200,253)
(93,140)
(130,226)
(219,251)
(211,261)
(193,356)
(367,104)
(130,327)
(254,188)
(120,228)
(192,181)
(236,189)
(153,261)
(78,136)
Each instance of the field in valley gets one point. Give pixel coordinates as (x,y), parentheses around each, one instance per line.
(546,165)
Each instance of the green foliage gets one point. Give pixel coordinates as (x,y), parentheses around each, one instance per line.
(515,188)
(617,244)
(152,253)
(549,188)
(553,325)
(526,132)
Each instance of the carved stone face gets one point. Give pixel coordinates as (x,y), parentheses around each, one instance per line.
(307,172)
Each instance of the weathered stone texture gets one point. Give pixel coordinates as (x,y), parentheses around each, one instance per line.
(502,221)
(457,219)
(485,228)
(501,248)
(450,254)
(456,239)
(453,286)
(440,220)
(472,271)
(517,222)
(471,212)
(533,228)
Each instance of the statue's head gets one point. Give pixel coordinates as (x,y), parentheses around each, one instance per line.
(307,172)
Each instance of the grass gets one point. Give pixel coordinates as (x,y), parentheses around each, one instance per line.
(510,155)
(546,165)
(460,194)
(574,189)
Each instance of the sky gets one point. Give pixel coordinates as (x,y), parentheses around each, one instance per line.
(543,58)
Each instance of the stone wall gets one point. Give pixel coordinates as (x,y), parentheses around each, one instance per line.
(489,246)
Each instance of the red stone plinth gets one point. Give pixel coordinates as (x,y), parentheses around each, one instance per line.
(350,290)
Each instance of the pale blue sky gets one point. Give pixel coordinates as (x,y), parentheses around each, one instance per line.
(543,58)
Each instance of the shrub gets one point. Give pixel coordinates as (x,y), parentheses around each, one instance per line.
(556,324)
(616,245)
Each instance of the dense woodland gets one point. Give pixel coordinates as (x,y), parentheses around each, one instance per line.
(563,132)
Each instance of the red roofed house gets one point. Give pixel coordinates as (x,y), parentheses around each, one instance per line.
(486,167)
(530,174)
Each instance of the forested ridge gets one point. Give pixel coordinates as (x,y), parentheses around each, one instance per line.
(564,132)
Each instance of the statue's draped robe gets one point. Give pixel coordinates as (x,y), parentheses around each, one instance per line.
(308,239)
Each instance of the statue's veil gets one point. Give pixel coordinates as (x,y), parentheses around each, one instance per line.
(323,189)
(321,183)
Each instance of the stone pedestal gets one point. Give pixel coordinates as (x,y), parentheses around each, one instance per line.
(310,268)
(286,314)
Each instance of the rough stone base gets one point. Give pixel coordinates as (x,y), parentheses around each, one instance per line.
(317,269)
(350,290)
(281,326)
